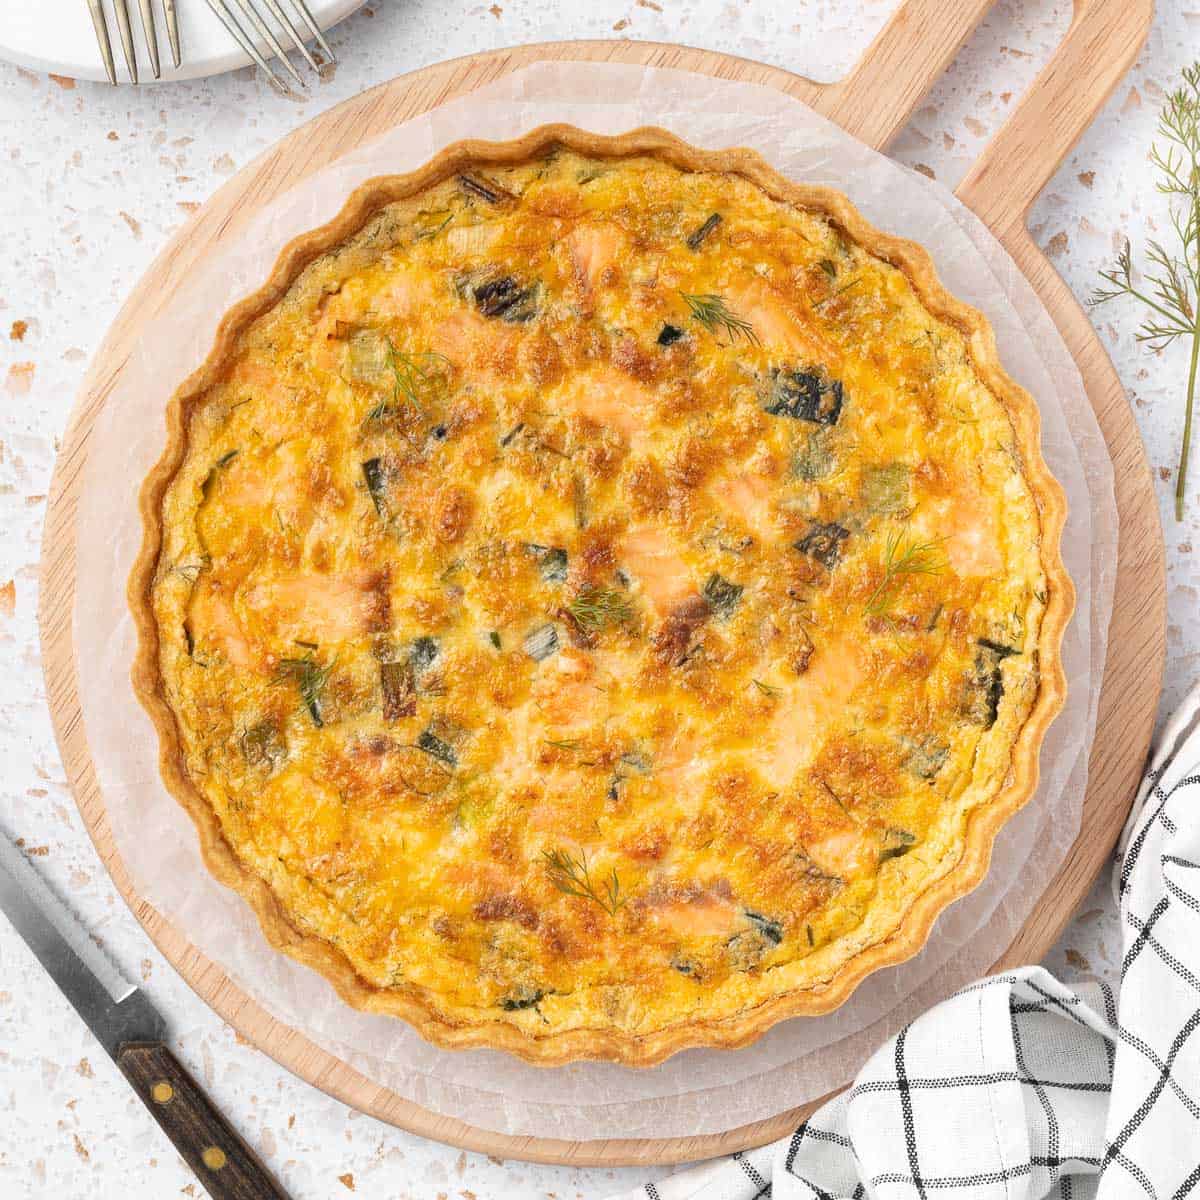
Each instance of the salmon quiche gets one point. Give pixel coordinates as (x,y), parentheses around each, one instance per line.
(600,598)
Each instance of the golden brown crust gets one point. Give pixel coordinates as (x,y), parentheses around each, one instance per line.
(984,822)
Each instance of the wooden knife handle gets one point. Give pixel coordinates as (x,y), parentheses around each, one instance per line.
(224,1164)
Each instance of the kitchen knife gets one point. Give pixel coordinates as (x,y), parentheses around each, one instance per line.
(132,1031)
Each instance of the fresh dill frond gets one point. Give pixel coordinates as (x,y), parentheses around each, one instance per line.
(767,689)
(1171,292)
(419,377)
(904,556)
(310,678)
(572,877)
(711,311)
(419,380)
(598,608)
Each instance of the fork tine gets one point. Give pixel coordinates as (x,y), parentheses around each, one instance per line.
(315,29)
(122,11)
(265,33)
(172,30)
(290,28)
(151,35)
(102,38)
(235,31)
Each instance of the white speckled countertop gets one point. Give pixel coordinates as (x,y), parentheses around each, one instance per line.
(94,180)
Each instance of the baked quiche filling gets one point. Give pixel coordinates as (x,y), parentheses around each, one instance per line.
(596,597)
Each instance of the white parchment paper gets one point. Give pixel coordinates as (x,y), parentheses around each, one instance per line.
(700,1091)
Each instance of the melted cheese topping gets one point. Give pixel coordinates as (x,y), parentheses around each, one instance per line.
(584,613)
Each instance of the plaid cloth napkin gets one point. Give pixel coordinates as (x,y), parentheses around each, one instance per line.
(1019,1086)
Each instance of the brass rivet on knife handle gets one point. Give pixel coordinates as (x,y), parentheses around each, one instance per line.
(222,1161)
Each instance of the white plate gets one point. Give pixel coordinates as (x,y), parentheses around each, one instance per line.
(57,36)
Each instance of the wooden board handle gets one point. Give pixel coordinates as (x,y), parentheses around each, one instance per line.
(910,53)
(223,1163)
(1100,45)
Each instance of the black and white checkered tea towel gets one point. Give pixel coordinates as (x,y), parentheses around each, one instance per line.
(1020,1086)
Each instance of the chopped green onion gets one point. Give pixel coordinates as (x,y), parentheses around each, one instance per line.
(424,651)
(366,356)
(896,842)
(219,465)
(884,488)
(770,929)
(437,748)
(526,998)
(372,471)
(697,236)
(805,396)
(552,560)
(927,757)
(722,596)
(541,643)
(261,745)
(823,542)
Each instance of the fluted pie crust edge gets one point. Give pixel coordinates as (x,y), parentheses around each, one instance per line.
(984,821)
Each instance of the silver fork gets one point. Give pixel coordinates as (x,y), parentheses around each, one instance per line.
(242,29)
(125,28)
(258,25)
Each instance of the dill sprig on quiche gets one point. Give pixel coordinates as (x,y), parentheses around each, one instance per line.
(419,380)
(713,312)
(904,556)
(598,608)
(310,678)
(572,876)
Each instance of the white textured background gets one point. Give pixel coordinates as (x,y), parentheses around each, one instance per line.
(92,182)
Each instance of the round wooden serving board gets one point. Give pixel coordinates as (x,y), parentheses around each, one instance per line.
(873,102)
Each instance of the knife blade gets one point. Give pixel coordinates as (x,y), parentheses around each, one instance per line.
(133,1033)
